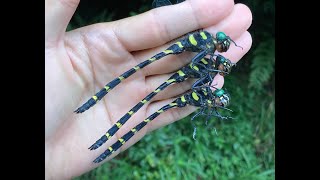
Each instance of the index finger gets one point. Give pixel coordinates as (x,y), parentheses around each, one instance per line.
(160,25)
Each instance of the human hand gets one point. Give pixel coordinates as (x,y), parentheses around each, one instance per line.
(80,62)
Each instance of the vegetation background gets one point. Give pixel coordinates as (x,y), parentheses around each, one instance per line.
(242,148)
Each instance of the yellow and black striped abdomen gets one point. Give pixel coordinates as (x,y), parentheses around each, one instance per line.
(131,133)
(179,76)
(176,48)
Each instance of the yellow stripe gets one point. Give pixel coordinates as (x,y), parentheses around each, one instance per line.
(170,80)
(144,101)
(195,68)
(136,67)
(152,59)
(95,98)
(108,135)
(120,77)
(122,141)
(192,40)
(204,61)
(130,112)
(209,101)
(159,111)
(195,96)
(146,120)
(183,99)
(181,73)
(168,51)
(107,88)
(205,93)
(173,104)
(110,149)
(118,125)
(133,130)
(179,44)
(157,90)
(203,35)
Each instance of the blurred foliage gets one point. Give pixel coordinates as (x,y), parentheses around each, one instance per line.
(243,148)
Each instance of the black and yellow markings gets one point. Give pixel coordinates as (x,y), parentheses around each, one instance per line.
(122,141)
(110,149)
(195,96)
(179,44)
(170,80)
(201,42)
(204,61)
(136,68)
(160,111)
(173,104)
(144,101)
(127,116)
(183,99)
(192,40)
(125,138)
(168,51)
(108,135)
(157,90)
(107,88)
(134,130)
(120,78)
(194,67)
(95,98)
(181,73)
(130,113)
(203,35)
(118,124)
(152,59)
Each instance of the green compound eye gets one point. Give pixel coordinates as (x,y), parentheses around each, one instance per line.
(221,59)
(219,92)
(221,36)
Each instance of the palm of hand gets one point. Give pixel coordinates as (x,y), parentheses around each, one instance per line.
(85,65)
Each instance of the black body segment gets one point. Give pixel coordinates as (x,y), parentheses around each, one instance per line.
(131,133)
(198,41)
(176,48)
(200,97)
(188,71)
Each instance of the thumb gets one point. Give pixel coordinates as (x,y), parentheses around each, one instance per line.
(57,16)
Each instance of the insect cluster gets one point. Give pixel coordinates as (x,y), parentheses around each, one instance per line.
(203,67)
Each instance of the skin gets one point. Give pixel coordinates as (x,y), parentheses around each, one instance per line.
(80,62)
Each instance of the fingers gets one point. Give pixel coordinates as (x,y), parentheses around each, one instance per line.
(236,23)
(232,25)
(57,16)
(163,24)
